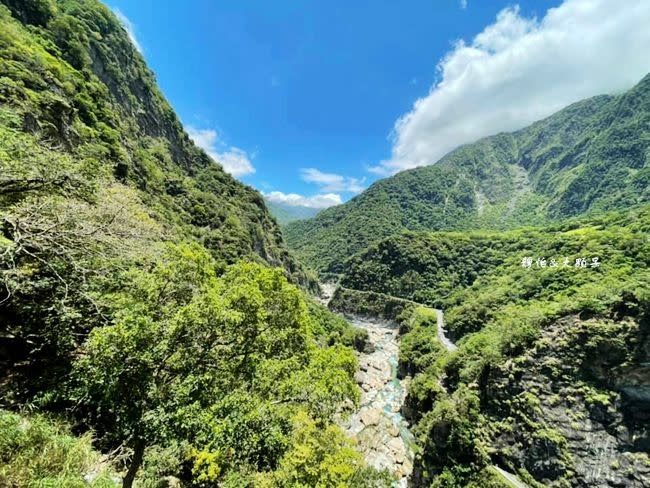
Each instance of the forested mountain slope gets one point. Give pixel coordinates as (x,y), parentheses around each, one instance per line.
(551,379)
(592,156)
(78,101)
(139,308)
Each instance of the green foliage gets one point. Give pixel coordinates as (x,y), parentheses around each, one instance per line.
(38,452)
(448,435)
(459,478)
(245,431)
(573,329)
(80,109)
(218,363)
(368,304)
(419,347)
(326,382)
(56,253)
(322,458)
(36,12)
(427,268)
(164,317)
(136,295)
(588,158)
(471,274)
(330,328)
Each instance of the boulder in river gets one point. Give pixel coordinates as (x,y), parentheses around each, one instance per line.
(371,416)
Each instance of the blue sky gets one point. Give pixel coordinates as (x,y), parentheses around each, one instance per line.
(312,101)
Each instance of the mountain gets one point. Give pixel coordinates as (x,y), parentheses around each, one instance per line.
(551,377)
(148,303)
(591,156)
(79,89)
(288,213)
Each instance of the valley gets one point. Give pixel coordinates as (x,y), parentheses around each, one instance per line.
(483,322)
(378,426)
(525,365)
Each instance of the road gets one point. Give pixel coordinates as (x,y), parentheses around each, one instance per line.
(450,346)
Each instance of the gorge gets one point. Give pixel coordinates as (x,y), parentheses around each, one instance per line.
(161,328)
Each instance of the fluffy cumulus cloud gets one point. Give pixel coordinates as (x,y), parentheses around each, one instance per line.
(330,185)
(234,160)
(519,70)
(330,182)
(322,200)
(129,27)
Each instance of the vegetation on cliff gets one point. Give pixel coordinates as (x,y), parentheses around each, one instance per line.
(79,110)
(38,451)
(550,377)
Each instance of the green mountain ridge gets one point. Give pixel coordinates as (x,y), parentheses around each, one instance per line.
(285,214)
(590,157)
(81,88)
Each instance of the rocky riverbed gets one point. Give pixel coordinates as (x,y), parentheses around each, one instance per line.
(379,428)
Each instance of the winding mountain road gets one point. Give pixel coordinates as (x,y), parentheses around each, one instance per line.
(450,346)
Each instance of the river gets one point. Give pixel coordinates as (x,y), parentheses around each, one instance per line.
(382,433)
(378,426)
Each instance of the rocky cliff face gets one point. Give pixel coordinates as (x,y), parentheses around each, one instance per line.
(572,413)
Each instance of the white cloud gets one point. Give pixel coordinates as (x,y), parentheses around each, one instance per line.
(519,70)
(206,139)
(129,27)
(463,4)
(322,200)
(234,160)
(330,182)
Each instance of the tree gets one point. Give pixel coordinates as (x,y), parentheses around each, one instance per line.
(322,458)
(37,12)
(183,339)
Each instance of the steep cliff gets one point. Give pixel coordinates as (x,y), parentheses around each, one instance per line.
(72,85)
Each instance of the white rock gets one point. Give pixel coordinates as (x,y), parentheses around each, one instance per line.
(371,416)
(396,444)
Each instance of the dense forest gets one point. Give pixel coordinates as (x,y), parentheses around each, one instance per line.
(551,374)
(591,156)
(80,108)
(151,326)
